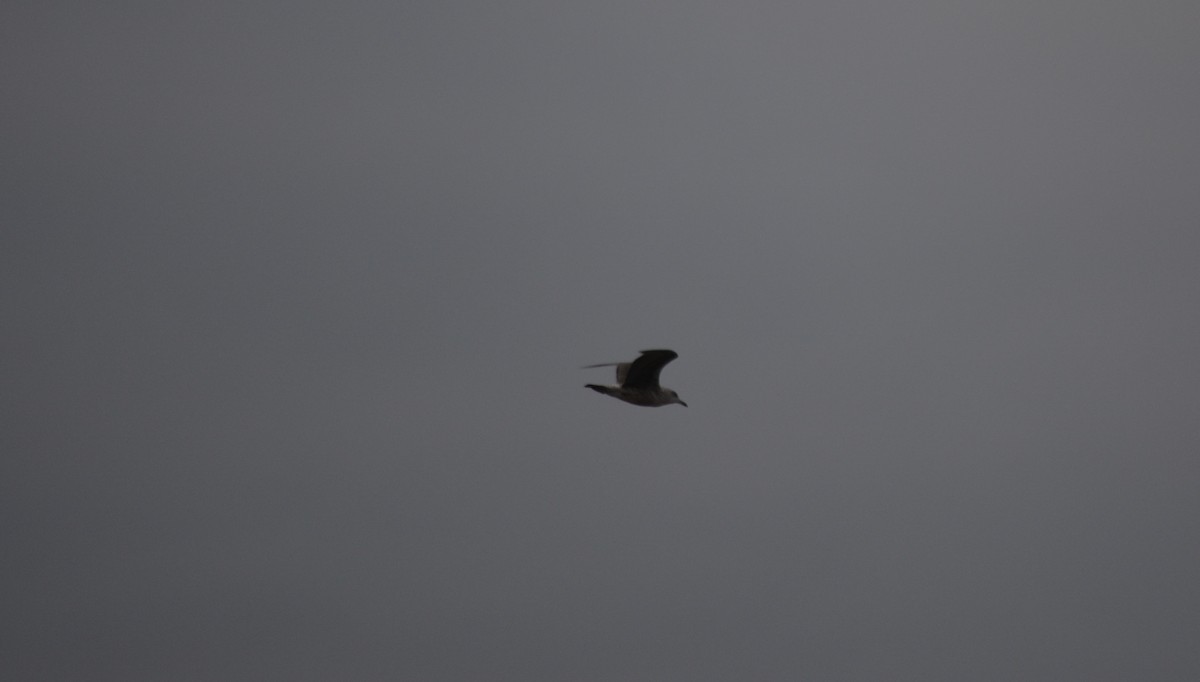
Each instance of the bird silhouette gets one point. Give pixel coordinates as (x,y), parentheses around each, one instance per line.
(638,380)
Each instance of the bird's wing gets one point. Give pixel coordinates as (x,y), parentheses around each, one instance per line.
(622,369)
(643,372)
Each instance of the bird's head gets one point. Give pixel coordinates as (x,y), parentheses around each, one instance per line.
(675,399)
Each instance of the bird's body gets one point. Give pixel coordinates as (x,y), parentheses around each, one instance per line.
(638,380)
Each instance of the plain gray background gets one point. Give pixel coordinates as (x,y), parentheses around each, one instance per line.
(296,295)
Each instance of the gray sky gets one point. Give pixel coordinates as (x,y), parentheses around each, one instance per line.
(295,298)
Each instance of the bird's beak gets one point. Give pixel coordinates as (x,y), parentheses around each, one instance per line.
(683,403)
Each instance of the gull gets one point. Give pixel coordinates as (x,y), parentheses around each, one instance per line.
(639,380)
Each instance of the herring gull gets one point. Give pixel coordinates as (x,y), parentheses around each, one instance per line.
(639,380)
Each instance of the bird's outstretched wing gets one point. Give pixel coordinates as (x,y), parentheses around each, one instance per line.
(643,372)
(622,369)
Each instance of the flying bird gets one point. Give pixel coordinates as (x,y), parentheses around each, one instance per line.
(639,380)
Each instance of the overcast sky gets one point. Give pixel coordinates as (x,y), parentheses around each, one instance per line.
(296,296)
